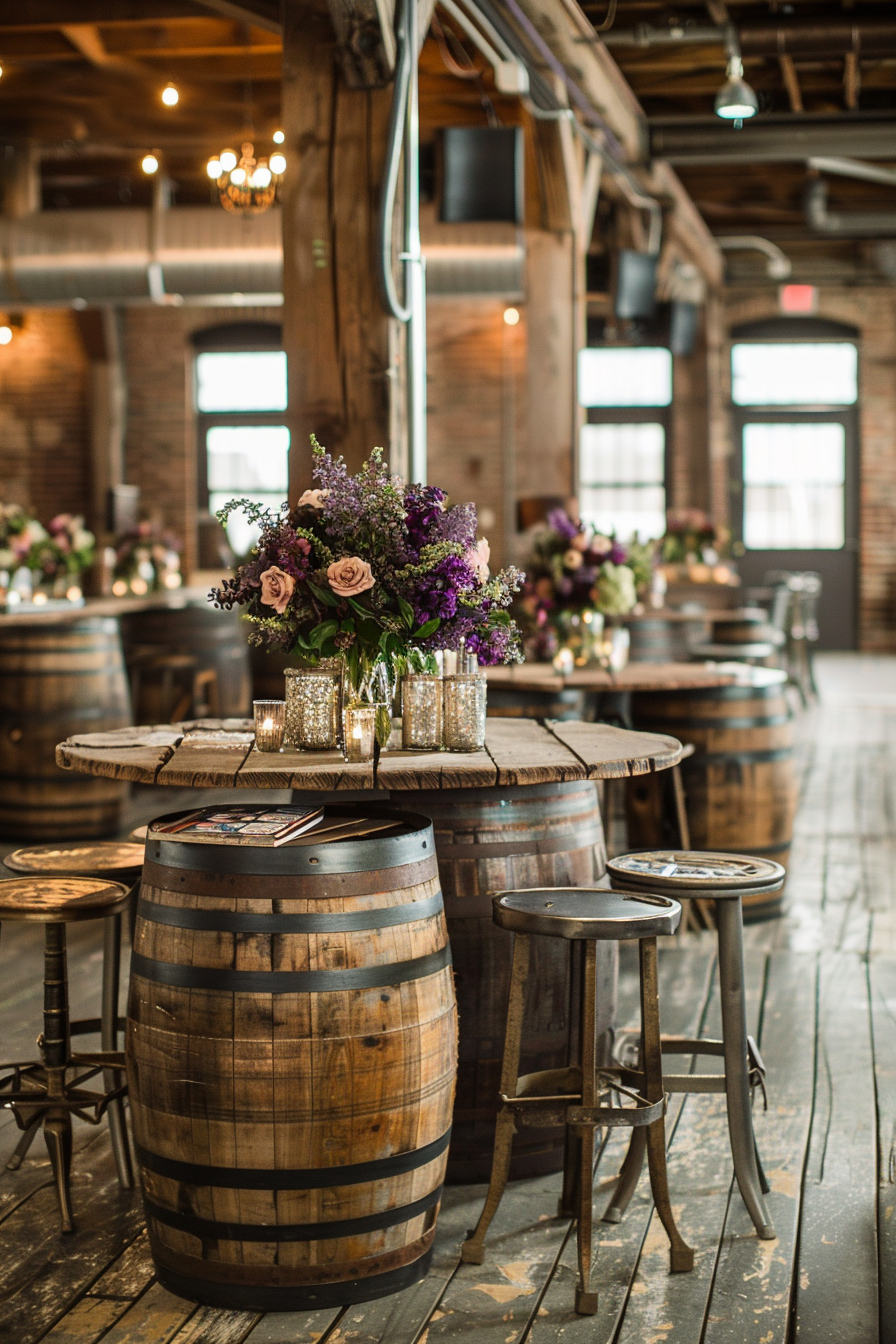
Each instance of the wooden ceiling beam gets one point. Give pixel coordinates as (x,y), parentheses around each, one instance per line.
(33,15)
(262,14)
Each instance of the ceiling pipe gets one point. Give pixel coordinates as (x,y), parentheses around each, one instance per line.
(779,265)
(798,38)
(855,224)
(864,172)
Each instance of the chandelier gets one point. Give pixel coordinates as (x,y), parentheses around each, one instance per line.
(246,186)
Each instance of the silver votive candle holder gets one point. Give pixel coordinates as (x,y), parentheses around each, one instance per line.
(270,723)
(312,709)
(358,732)
(421,712)
(465,704)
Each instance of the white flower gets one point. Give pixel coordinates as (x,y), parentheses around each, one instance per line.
(314,498)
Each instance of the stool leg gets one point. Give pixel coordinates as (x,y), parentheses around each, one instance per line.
(681,812)
(586,1299)
(24,1143)
(572,1149)
(118,1132)
(729,918)
(55,1049)
(682,1257)
(629,1175)
(472,1251)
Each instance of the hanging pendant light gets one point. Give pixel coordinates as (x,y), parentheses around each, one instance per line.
(246,186)
(735,100)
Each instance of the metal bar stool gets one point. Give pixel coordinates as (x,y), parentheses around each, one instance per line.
(575,1096)
(726,879)
(112,861)
(43,1093)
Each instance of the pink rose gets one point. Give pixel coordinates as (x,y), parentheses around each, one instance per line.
(572,559)
(350,576)
(276,589)
(314,498)
(478,557)
(581,542)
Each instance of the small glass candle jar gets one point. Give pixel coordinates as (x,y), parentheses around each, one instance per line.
(421,712)
(465,698)
(270,721)
(358,732)
(312,709)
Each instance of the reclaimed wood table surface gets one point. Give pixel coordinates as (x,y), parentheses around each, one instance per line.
(635,677)
(515,754)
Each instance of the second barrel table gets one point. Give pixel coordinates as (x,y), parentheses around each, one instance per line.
(522,812)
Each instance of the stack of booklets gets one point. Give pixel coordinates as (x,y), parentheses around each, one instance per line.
(268,826)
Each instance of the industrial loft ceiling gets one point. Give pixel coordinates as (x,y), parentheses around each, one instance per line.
(83,101)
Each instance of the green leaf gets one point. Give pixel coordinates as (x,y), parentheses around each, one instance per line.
(324,595)
(500,618)
(322,632)
(407,612)
(356,606)
(429,628)
(348,626)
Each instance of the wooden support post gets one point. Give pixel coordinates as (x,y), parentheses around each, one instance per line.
(101,337)
(335,330)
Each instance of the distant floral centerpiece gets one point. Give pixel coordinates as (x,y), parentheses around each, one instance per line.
(55,554)
(694,547)
(147,559)
(373,571)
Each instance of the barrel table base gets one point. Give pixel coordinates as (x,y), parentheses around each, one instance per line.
(489,840)
(291,1061)
(57,680)
(740,784)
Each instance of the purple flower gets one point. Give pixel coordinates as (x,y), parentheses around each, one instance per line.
(561,522)
(617,554)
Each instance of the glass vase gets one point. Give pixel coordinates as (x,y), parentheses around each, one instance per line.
(421,712)
(313,701)
(465,710)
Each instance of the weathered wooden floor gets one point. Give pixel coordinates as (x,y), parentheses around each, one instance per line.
(822,987)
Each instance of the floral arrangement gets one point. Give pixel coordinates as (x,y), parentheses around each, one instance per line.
(62,549)
(373,571)
(574,569)
(692,536)
(147,559)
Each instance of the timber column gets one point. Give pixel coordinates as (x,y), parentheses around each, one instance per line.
(336,333)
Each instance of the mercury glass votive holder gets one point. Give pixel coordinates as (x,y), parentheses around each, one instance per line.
(421,712)
(312,709)
(358,732)
(464,712)
(270,722)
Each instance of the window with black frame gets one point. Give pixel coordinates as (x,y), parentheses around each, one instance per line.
(627,392)
(241,395)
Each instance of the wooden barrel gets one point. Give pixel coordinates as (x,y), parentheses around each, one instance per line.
(752,624)
(658,639)
(291,1060)
(488,840)
(215,639)
(511,702)
(56,681)
(740,784)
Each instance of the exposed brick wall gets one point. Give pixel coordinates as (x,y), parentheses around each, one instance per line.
(874,313)
(161,443)
(44,435)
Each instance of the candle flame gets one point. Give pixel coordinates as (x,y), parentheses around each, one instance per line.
(268,723)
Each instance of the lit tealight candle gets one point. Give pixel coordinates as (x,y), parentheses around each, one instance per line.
(120,588)
(270,721)
(359,732)
(39,599)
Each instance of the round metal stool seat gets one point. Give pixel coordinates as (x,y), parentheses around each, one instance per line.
(105,858)
(695,873)
(577,913)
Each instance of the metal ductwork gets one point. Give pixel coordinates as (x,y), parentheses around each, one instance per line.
(190,254)
(487,271)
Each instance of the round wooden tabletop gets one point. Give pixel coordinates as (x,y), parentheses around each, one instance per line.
(516,752)
(635,677)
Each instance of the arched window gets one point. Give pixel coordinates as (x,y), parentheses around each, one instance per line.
(240,395)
